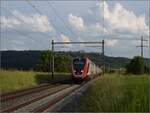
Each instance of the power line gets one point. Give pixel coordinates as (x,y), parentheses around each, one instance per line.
(17,17)
(39,42)
(103,9)
(58,30)
(25,35)
(129,39)
(56,13)
(36,9)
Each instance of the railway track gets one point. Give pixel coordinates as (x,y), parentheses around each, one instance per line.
(36,99)
(8,96)
(19,93)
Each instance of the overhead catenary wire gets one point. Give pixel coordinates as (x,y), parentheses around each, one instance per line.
(134,38)
(103,8)
(24,35)
(37,10)
(27,37)
(58,29)
(116,36)
(62,20)
(17,31)
(16,17)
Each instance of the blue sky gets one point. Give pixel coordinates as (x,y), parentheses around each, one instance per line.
(31,25)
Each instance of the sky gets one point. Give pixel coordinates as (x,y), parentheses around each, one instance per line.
(31,25)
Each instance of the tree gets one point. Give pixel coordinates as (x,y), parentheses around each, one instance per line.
(46,61)
(62,62)
(146,69)
(136,65)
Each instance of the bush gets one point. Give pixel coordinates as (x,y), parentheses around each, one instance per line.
(136,65)
(146,69)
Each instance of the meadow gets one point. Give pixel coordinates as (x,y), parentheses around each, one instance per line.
(12,80)
(117,93)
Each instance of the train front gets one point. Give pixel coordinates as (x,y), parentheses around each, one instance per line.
(78,68)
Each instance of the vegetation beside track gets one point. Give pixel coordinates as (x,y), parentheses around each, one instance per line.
(16,80)
(117,93)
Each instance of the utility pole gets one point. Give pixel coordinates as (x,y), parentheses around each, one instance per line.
(53,59)
(103,47)
(103,55)
(142,45)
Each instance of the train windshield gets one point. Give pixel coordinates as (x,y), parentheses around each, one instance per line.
(78,64)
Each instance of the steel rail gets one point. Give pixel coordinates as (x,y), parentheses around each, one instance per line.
(15,107)
(26,92)
(54,101)
(18,91)
(9,95)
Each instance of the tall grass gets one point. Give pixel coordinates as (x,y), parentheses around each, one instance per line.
(15,80)
(116,93)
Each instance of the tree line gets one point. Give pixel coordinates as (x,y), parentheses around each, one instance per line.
(63,63)
(41,61)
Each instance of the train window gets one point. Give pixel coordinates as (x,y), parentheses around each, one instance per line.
(78,64)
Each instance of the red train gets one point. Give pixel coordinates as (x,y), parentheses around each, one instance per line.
(84,69)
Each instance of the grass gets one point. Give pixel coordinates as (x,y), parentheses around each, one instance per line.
(116,93)
(15,80)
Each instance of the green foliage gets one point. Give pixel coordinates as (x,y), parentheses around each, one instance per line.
(146,69)
(20,60)
(46,61)
(62,63)
(117,93)
(136,65)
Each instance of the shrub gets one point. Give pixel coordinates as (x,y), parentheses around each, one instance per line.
(136,65)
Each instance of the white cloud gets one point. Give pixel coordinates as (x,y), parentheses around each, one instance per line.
(64,47)
(122,19)
(64,38)
(76,22)
(9,23)
(36,23)
(98,29)
(111,43)
(94,30)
